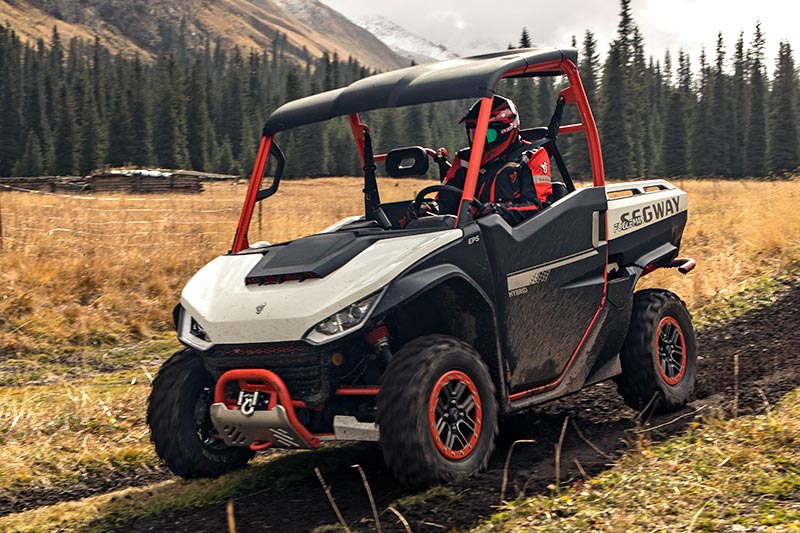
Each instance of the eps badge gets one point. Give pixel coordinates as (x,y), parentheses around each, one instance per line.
(260,307)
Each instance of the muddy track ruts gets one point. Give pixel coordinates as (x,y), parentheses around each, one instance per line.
(81,488)
(766,340)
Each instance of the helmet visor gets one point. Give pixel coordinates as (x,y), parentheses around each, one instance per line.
(491,135)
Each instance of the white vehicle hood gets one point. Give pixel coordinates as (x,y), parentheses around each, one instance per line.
(232,312)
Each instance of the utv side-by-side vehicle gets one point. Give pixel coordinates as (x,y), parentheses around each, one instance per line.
(420,335)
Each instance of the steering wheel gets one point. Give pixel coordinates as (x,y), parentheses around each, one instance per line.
(441,188)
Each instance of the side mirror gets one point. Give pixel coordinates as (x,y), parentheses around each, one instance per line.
(280,159)
(407,162)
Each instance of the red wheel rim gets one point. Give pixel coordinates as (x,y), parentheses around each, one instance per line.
(670,351)
(455,415)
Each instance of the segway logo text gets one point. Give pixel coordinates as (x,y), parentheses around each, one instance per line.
(644,215)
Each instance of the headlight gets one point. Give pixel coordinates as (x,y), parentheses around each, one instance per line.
(197,330)
(346,319)
(192,333)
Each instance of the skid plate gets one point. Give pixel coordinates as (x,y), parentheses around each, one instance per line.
(238,429)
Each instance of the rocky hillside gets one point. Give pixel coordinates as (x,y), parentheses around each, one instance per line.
(152,26)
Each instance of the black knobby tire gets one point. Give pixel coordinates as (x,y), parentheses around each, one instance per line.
(426,374)
(180,424)
(659,356)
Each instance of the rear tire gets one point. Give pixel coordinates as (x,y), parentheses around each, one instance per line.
(180,423)
(437,412)
(659,356)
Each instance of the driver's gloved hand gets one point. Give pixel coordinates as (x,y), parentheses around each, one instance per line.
(428,207)
(489,209)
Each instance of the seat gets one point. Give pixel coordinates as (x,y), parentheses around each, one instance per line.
(559,192)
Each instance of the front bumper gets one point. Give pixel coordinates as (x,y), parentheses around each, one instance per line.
(276,425)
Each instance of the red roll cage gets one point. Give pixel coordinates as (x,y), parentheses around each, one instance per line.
(573,93)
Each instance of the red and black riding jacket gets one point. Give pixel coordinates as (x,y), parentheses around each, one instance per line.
(517,182)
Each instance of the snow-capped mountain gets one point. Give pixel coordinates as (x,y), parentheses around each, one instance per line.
(342,35)
(403,41)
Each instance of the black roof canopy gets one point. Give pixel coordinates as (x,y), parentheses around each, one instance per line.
(470,77)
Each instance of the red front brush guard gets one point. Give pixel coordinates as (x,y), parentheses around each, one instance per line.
(261,380)
(257,379)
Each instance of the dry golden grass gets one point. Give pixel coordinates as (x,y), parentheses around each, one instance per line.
(93,271)
(737,230)
(64,433)
(78,272)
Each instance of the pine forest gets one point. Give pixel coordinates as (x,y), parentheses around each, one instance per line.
(71,108)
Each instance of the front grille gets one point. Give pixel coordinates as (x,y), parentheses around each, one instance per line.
(302,367)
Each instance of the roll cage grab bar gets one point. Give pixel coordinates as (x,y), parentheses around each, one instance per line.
(574,93)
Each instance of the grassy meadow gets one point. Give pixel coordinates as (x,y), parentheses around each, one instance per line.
(80,272)
(87,285)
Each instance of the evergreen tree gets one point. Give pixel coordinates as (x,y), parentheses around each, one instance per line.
(63,162)
(675,137)
(121,133)
(625,32)
(232,102)
(30,164)
(291,139)
(622,88)
(88,124)
(700,142)
(525,39)
(667,70)
(415,126)
(637,107)
(140,148)
(56,56)
(33,105)
(12,121)
(783,153)
(755,162)
(739,96)
(199,134)
(720,125)
(169,121)
(578,154)
(614,125)
(654,139)
(545,101)
(249,143)
(223,162)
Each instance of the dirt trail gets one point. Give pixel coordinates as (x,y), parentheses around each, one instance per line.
(766,340)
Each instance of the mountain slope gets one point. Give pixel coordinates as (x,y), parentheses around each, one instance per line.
(329,22)
(151,26)
(403,41)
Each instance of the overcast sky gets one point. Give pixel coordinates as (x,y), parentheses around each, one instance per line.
(468,26)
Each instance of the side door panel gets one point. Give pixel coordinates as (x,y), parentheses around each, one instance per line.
(550,281)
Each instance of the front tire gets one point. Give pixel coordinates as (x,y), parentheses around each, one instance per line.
(180,423)
(659,356)
(437,412)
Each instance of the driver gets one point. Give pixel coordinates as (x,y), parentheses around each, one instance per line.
(514,180)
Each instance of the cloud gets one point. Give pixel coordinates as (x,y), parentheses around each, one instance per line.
(469,26)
